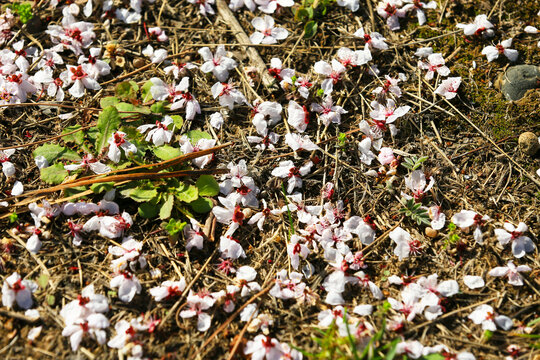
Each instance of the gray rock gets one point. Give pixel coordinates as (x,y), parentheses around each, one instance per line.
(518,79)
(528,143)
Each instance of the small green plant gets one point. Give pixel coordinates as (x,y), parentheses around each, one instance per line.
(24,10)
(412,163)
(415,211)
(342,140)
(453,237)
(310,13)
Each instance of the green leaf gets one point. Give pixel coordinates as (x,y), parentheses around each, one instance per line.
(74,190)
(50,300)
(166,208)
(76,137)
(13,217)
(53,152)
(167,152)
(434,357)
(123,106)
(187,193)
(202,205)
(108,101)
(158,107)
(42,280)
(127,90)
(54,174)
(108,123)
(178,121)
(142,195)
(145,90)
(310,29)
(196,135)
(175,226)
(207,185)
(98,188)
(149,209)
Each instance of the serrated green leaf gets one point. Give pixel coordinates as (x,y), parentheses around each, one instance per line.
(142,195)
(54,174)
(207,185)
(166,208)
(98,188)
(175,226)
(196,135)
(108,123)
(108,101)
(187,193)
(167,152)
(53,152)
(76,137)
(202,205)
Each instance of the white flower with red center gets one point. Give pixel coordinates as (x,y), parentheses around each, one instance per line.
(21,54)
(205,7)
(266,142)
(159,133)
(179,69)
(298,116)
(405,245)
(299,142)
(465,219)
(156,56)
(228,94)
(260,217)
(413,349)
(96,68)
(118,141)
(219,64)
(75,231)
(7,166)
(246,195)
(194,235)
(168,290)
(296,249)
(434,292)
(390,85)
(17,290)
(332,72)
(418,7)
(331,316)
(128,285)
(196,305)
(244,278)
(449,87)
(186,100)
(126,331)
(267,33)
(521,244)
(265,114)
(373,39)
(511,271)
(79,77)
(202,144)
(347,57)
(93,326)
(72,35)
(435,64)
(44,78)
(438,218)
(158,33)
(287,169)
(128,253)
(278,72)
(480,26)
(328,112)
(502,48)
(19,86)
(231,215)
(288,286)
(87,303)
(264,347)
(231,248)
(417,183)
(386,156)
(335,237)
(409,305)
(270,6)
(385,115)
(363,228)
(391,11)
(485,315)
(88,162)
(364,280)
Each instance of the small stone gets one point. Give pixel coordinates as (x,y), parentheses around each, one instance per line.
(518,79)
(139,63)
(431,232)
(528,143)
